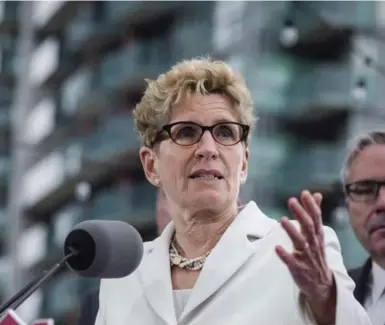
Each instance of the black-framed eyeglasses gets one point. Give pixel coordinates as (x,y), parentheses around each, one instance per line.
(187,133)
(364,190)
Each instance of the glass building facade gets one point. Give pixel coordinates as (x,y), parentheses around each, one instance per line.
(71,72)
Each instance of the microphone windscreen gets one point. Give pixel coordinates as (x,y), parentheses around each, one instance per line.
(106,249)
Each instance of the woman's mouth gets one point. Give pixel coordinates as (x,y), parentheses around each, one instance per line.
(206,175)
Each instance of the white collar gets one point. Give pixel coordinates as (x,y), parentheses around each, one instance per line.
(254,222)
(237,241)
(378,281)
(258,224)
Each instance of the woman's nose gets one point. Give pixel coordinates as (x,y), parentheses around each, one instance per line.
(207,147)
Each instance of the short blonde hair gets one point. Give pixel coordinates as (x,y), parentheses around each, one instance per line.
(202,75)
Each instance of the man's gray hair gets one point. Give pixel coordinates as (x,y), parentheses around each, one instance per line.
(355,146)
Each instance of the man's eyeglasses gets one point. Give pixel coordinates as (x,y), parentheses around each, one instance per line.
(188,133)
(364,191)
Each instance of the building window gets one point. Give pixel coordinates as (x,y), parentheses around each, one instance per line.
(44,61)
(43,178)
(44,10)
(41,121)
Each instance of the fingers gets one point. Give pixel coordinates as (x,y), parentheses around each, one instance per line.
(307,263)
(303,250)
(318,198)
(286,257)
(308,215)
(308,212)
(313,208)
(299,241)
(296,266)
(303,217)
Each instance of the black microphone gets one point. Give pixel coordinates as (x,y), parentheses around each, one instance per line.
(94,248)
(107,249)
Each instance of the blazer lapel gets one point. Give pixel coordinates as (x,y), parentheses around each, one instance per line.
(362,282)
(155,276)
(232,251)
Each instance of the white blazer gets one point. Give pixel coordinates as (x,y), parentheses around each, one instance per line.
(243,282)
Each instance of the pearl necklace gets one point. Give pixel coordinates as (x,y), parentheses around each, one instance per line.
(176,259)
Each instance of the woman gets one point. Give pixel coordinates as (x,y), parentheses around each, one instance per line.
(216,263)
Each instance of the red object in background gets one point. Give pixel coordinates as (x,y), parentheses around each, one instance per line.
(11,318)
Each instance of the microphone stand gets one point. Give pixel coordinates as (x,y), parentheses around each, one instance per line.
(17,299)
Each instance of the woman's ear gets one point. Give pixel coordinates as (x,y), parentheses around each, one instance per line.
(149,163)
(245,165)
(243,177)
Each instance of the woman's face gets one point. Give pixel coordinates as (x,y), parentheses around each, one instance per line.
(184,171)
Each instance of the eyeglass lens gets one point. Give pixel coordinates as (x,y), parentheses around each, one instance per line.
(190,133)
(365,191)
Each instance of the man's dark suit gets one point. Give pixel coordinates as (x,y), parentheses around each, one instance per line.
(360,276)
(89,309)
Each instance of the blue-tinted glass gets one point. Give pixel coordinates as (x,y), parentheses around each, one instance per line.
(133,202)
(114,135)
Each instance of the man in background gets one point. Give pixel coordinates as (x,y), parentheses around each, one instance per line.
(90,306)
(363,176)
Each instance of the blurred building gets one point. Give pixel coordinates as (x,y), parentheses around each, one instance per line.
(71,73)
